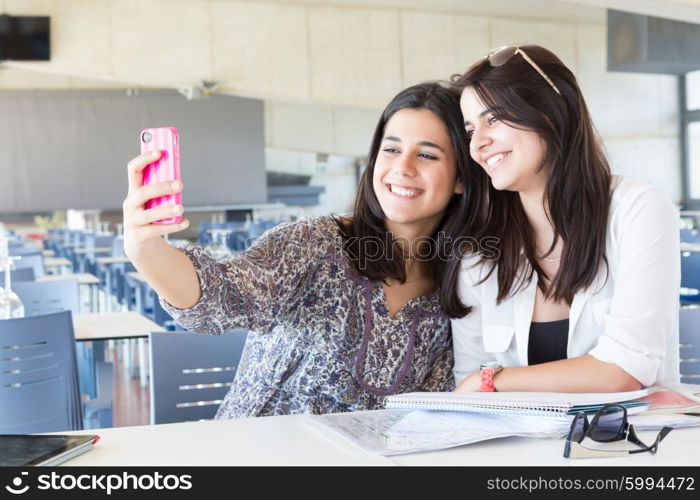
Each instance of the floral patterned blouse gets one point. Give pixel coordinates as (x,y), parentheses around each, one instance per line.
(320,336)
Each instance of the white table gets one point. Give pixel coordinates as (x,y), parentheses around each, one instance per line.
(93,250)
(690,247)
(289,440)
(136,276)
(112,260)
(83,278)
(57,262)
(112,326)
(296,440)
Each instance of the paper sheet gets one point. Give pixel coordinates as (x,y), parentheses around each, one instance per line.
(646,422)
(393,432)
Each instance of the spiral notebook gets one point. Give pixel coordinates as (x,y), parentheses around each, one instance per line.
(554,404)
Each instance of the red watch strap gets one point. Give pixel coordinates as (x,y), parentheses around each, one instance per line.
(487,375)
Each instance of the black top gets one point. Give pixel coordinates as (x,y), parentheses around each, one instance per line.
(548,341)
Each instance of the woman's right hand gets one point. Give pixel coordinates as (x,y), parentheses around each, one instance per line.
(139,234)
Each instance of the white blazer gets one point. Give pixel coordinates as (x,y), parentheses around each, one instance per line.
(630,320)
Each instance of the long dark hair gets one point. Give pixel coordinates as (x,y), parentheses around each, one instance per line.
(578,190)
(460,217)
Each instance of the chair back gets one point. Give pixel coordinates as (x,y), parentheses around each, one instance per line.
(191,373)
(46,297)
(24,250)
(689,335)
(33,260)
(38,376)
(690,275)
(158,314)
(690,236)
(118,247)
(25,274)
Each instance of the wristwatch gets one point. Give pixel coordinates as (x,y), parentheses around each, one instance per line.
(488,372)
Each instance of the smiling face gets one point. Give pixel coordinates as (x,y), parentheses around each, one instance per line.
(511,157)
(415,174)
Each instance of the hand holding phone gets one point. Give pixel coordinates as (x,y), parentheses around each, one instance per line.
(165,169)
(144,227)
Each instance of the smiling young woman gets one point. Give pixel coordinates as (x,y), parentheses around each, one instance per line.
(340,310)
(583,294)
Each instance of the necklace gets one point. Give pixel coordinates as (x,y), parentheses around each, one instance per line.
(549,259)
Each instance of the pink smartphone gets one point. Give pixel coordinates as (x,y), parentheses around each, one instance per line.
(167,168)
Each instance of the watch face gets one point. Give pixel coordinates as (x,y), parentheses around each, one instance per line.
(491,364)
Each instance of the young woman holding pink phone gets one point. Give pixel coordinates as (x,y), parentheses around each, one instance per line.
(341,312)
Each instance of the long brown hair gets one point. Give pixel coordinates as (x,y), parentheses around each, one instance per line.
(460,216)
(578,190)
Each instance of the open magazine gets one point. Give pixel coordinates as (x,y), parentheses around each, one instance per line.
(394,432)
(662,399)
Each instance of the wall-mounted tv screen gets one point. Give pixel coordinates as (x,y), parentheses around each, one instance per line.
(25,38)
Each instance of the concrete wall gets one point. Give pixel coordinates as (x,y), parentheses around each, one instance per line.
(325,69)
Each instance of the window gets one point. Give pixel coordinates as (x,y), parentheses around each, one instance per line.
(693,158)
(690,138)
(692,90)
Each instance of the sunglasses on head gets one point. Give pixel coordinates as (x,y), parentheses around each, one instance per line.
(500,56)
(607,425)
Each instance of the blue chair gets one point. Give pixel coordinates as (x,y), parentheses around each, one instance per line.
(158,314)
(46,297)
(204,237)
(690,236)
(191,373)
(26,274)
(38,376)
(119,282)
(74,239)
(97,412)
(86,261)
(689,336)
(23,250)
(33,260)
(690,277)
(118,247)
(258,228)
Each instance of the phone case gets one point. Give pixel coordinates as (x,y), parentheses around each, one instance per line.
(167,168)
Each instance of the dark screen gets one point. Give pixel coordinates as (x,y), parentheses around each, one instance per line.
(19,450)
(24,38)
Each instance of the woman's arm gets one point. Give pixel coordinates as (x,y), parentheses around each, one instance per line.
(467,337)
(166,269)
(582,374)
(641,324)
(253,290)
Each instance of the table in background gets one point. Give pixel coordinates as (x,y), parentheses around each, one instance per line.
(117,326)
(93,250)
(690,247)
(59,263)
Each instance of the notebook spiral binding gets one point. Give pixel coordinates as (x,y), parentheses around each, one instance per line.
(501,407)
